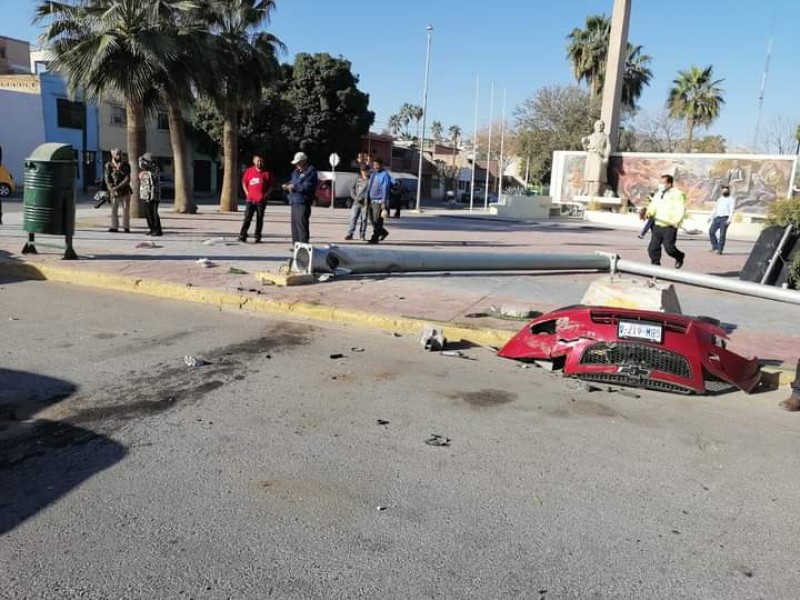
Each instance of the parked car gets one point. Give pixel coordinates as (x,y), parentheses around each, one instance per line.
(7,186)
(322,196)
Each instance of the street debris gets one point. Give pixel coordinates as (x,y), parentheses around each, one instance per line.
(432,339)
(192,361)
(395,334)
(381,508)
(438,440)
(456,354)
(235,271)
(13,318)
(383,422)
(147,245)
(324,277)
(205,263)
(217,241)
(512,313)
(337,355)
(356,349)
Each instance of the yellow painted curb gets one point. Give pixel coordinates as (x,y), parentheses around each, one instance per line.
(255,304)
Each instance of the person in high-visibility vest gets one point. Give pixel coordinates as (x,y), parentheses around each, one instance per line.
(668,209)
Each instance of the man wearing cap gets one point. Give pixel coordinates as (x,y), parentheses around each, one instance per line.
(301,189)
(668,208)
(257,184)
(720,219)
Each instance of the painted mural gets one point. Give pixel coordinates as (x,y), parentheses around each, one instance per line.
(756,181)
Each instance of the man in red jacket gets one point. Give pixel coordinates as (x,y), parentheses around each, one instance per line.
(257,184)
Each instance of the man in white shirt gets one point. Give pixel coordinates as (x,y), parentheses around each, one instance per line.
(721,217)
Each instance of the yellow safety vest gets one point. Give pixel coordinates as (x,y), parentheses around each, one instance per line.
(668,209)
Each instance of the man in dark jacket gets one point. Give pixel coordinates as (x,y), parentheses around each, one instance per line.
(301,189)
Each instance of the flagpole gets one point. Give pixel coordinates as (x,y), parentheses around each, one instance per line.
(489,153)
(502,148)
(474,144)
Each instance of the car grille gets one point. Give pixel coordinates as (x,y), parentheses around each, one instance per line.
(639,357)
(650,384)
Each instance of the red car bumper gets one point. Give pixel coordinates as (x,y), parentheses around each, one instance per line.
(635,347)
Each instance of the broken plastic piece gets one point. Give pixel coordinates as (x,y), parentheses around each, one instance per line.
(205,263)
(438,440)
(192,361)
(432,339)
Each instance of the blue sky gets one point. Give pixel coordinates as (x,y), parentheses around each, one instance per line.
(521,46)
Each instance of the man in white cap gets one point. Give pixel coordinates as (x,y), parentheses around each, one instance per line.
(301,189)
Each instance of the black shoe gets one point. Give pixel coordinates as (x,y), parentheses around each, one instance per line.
(372,241)
(257,241)
(678,263)
(383,236)
(157,233)
(113,230)
(349,236)
(242,238)
(126,230)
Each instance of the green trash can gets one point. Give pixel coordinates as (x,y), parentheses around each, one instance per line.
(48,203)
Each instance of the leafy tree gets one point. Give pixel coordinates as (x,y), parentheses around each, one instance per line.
(329,112)
(555,118)
(244,62)
(113,49)
(656,132)
(711,144)
(588,53)
(436,131)
(696,98)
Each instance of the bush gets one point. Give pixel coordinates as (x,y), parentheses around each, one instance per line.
(784,212)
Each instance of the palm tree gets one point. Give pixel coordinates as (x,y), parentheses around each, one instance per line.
(436,131)
(415,113)
(112,49)
(244,62)
(588,54)
(177,84)
(405,116)
(395,124)
(636,76)
(695,97)
(455,135)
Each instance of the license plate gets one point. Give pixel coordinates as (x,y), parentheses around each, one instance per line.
(639,330)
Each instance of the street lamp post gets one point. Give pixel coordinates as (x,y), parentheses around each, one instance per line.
(424,112)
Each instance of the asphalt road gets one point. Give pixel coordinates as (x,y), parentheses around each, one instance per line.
(276,470)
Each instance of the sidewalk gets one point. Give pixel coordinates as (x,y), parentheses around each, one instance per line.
(400,302)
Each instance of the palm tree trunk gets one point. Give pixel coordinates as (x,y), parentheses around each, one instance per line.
(689,133)
(228,201)
(136,135)
(184,202)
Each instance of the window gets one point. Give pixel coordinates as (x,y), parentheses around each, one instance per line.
(118,116)
(163,121)
(70,115)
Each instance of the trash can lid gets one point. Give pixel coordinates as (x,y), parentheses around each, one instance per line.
(53,151)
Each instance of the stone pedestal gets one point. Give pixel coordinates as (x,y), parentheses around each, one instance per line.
(632,293)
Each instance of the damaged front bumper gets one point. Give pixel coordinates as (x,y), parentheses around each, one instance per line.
(647,349)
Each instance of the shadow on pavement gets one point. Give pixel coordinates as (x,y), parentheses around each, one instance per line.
(42,460)
(13,270)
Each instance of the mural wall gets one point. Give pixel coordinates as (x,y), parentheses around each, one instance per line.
(755,180)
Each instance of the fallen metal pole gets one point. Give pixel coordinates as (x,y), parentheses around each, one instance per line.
(349,259)
(713,282)
(359,260)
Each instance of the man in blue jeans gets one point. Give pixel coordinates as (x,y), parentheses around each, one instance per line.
(721,218)
(301,189)
(378,198)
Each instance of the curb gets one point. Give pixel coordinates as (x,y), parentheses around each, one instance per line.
(308,310)
(241,301)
